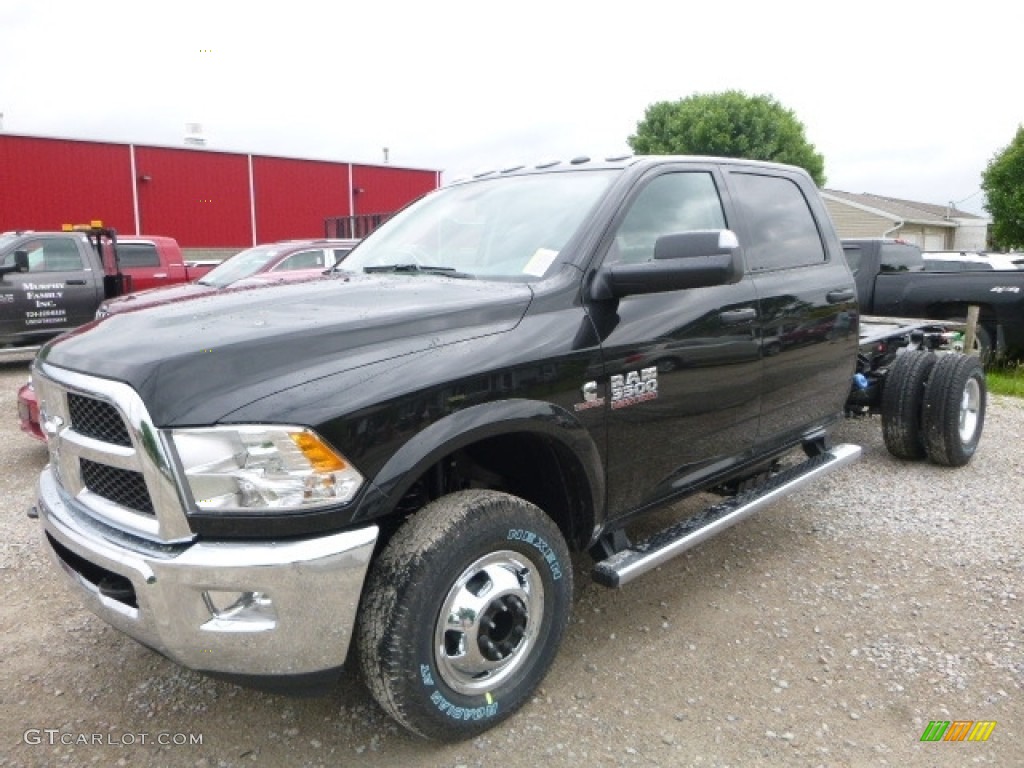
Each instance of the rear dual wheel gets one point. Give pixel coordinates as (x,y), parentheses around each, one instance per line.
(954,410)
(934,406)
(903,404)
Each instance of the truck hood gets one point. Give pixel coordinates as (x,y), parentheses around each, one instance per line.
(141,299)
(195,361)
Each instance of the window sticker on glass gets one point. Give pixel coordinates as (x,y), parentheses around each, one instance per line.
(539,262)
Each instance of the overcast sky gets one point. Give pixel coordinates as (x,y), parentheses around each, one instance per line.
(906,99)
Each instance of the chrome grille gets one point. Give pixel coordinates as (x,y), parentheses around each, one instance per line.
(97,419)
(120,486)
(108,456)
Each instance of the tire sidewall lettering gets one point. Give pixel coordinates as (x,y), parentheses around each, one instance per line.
(442,700)
(541,545)
(463,713)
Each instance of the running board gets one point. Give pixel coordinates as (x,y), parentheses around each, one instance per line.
(624,566)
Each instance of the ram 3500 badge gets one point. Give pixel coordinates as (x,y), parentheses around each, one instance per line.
(402,458)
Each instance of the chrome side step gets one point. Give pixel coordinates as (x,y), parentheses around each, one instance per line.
(624,566)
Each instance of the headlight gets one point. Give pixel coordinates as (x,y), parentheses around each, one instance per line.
(248,469)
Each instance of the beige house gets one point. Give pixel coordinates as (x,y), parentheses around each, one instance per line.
(932,227)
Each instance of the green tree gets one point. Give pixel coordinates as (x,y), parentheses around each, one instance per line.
(1003,182)
(728,124)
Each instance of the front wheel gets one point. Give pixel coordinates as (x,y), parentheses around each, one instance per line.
(464,611)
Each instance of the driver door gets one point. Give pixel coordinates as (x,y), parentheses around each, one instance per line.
(682,367)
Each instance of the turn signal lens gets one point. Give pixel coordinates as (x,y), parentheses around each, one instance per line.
(317,453)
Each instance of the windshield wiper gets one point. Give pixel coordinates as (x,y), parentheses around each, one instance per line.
(413,268)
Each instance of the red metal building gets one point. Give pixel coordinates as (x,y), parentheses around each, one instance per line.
(203,198)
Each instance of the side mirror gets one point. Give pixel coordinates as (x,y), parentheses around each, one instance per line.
(20,263)
(698,259)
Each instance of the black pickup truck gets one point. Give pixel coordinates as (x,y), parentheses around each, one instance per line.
(892,281)
(516,366)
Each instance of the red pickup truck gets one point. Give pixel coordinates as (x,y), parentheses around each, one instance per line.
(260,265)
(154,262)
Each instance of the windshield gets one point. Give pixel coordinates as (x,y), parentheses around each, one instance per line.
(243,264)
(508,226)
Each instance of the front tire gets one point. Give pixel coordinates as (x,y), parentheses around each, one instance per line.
(463,613)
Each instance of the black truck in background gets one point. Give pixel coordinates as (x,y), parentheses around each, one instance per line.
(401,457)
(892,282)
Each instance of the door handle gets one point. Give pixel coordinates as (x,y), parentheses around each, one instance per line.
(837,297)
(160,274)
(75,282)
(737,316)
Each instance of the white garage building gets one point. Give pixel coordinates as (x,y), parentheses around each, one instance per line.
(932,227)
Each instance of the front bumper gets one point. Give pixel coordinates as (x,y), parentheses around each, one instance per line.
(297,606)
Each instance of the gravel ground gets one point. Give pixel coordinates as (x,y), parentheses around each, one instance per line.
(826,631)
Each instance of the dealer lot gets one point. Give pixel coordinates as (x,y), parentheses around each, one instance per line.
(828,630)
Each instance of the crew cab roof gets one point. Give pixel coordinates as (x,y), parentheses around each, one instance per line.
(614,162)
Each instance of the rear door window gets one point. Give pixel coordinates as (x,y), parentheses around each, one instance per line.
(782,232)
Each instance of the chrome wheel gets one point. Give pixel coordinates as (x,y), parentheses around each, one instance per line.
(970,405)
(488,622)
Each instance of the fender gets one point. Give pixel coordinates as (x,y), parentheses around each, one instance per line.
(477,423)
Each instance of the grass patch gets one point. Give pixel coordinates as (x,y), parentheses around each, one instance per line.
(1006,379)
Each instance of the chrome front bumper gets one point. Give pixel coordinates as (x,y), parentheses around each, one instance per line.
(237,608)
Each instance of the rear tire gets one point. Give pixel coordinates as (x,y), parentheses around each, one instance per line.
(463,613)
(902,404)
(954,410)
